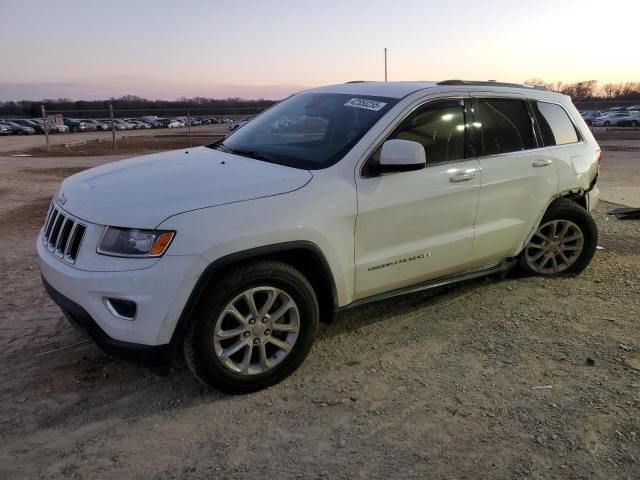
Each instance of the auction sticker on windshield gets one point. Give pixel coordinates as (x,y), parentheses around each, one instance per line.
(365,103)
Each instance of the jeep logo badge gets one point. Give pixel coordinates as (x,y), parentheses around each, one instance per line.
(62,199)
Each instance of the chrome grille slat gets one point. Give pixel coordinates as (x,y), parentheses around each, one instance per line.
(54,215)
(62,234)
(69,238)
(55,231)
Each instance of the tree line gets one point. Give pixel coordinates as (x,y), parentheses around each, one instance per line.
(589,90)
(138,105)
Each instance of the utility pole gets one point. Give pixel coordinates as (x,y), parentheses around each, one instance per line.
(113,127)
(189,127)
(45,125)
(385,64)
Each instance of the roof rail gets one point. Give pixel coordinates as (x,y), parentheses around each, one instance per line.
(355,81)
(487,83)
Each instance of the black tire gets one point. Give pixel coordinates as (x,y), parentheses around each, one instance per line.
(563,209)
(607,124)
(75,129)
(198,345)
(634,123)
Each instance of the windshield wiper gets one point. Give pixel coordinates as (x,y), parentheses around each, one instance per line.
(248,153)
(238,151)
(219,145)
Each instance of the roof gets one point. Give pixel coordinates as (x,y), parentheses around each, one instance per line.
(375,89)
(402,89)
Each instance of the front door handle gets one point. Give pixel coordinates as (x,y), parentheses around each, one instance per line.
(462,177)
(542,163)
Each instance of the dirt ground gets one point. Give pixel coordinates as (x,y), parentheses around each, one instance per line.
(518,378)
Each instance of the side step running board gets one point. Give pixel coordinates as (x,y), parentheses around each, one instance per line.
(439,282)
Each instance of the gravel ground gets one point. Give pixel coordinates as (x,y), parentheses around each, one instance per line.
(512,378)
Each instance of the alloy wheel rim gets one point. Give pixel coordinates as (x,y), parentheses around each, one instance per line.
(555,246)
(256,330)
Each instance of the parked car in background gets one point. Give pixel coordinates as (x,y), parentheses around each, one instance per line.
(240,123)
(76,125)
(173,123)
(632,119)
(151,120)
(153,123)
(138,124)
(51,126)
(28,123)
(5,129)
(101,126)
(590,116)
(123,124)
(610,119)
(117,124)
(19,129)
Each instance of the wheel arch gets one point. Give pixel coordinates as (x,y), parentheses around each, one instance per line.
(578,196)
(302,255)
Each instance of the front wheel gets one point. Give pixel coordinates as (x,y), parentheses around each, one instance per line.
(253,329)
(564,242)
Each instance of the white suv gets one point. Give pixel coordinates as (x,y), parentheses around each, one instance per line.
(233,252)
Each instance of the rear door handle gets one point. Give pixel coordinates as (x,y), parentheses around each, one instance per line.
(542,163)
(462,177)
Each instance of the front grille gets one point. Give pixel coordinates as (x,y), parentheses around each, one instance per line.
(62,234)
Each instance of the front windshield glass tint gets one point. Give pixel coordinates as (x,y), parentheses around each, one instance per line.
(310,131)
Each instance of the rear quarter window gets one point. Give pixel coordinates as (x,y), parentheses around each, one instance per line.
(556,128)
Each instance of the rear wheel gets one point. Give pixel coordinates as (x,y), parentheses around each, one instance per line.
(564,242)
(254,328)
(634,123)
(607,124)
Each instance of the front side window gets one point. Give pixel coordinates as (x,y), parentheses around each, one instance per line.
(505,126)
(556,128)
(308,130)
(440,128)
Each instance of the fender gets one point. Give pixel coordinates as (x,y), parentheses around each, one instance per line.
(217,265)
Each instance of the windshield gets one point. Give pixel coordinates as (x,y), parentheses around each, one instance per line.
(309,130)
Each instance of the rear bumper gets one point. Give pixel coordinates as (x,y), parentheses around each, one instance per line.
(593,196)
(149,355)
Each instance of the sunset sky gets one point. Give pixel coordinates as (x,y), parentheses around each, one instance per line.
(250,48)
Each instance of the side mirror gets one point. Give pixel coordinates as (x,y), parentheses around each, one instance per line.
(401,156)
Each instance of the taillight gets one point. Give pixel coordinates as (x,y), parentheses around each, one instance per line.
(599,157)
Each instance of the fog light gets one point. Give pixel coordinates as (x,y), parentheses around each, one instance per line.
(121,308)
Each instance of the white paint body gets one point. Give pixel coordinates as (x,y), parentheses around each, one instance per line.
(220,204)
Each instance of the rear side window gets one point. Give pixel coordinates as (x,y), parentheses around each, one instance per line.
(440,128)
(505,125)
(556,128)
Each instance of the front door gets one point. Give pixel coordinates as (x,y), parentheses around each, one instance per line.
(419,225)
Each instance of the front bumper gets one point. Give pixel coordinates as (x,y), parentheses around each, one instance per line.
(159,291)
(149,355)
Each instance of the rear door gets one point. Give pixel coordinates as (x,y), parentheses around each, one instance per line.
(518,175)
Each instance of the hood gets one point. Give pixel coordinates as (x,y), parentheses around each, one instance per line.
(142,192)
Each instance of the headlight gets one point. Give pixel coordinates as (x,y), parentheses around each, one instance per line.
(131,242)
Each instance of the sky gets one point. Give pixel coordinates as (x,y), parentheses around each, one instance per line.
(95,49)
